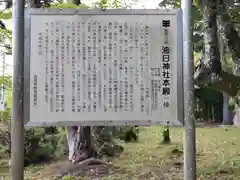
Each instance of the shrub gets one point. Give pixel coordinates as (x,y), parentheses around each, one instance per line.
(38,146)
(44,144)
(105,139)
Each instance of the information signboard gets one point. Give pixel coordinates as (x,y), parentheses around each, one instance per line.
(95,67)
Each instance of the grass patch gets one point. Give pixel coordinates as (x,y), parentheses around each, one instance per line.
(218,156)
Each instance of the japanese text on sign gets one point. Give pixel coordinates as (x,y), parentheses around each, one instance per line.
(100,68)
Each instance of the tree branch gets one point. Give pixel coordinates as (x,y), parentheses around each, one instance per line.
(228,31)
(229,83)
(209,72)
(211,58)
(223,82)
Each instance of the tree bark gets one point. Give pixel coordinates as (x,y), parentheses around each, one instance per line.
(228,31)
(76,2)
(34,3)
(227,119)
(209,71)
(79,143)
(232,39)
(79,138)
(211,49)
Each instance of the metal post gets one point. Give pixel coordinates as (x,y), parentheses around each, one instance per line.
(189,125)
(17,126)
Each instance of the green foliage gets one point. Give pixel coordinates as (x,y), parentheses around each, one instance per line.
(6,81)
(5,41)
(6,14)
(69,5)
(38,146)
(196,21)
(217,158)
(106,137)
(5,34)
(166,135)
(208,95)
(104,4)
(170,3)
(68,178)
(120,132)
(231,105)
(5,115)
(208,104)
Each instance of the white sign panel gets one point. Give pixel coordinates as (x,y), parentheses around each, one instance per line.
(103,68)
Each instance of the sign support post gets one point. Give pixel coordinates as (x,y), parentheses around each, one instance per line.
(189,120)
(17,122)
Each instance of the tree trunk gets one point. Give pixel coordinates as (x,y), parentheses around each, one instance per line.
(79,138)
(34,3)
(232,39)
(227,119)
(209,72)
(209,68)
(219,109)
(79,143)
(228,31)
(236,118)
(76,2)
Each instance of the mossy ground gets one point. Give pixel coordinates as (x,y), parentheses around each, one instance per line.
(218,157)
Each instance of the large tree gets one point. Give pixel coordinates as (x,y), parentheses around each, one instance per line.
(215,16)
(209,71)
(217,20)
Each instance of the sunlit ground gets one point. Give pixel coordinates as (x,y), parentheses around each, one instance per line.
(218,157)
